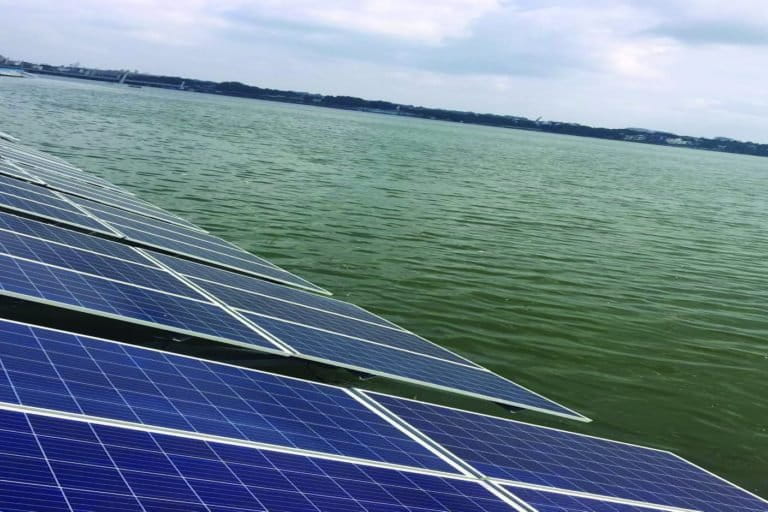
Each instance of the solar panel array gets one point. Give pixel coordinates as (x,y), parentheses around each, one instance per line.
(54,464)
(93,424)
(515,452)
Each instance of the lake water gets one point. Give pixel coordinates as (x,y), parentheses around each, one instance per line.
(628,282)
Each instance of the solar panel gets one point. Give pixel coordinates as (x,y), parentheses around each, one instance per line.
(83,375)
(542,501)
(10,222)
(36,160)
(376,359)
(317,319)
(133,271)
(7,168)
(42,283)
(511,451)
(109,197)
(261,287)
(22,197)
(57,464)
(164,229)
(190,244)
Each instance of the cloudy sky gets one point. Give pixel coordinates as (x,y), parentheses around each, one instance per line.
(695,67)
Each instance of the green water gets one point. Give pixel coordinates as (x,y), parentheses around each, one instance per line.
(629,282)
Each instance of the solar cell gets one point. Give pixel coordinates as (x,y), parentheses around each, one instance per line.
(517,452)
(314,318)
(542,501)
(51,208)
(376,359)
(69,289)
(134,271)
(108,197)
(83,375)
(57,464)
(261,287)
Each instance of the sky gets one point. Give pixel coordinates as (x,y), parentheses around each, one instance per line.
(694,67)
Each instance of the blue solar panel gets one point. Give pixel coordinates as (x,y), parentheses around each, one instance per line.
(216,275)
(380,360)
(187,236)
(105,266)
(310,317)
(56,463)
(65,236)
(193,244)
(514,451)
(113,198)
(66,288)
(32,161)
(543,501)
(46,205)
(83,375)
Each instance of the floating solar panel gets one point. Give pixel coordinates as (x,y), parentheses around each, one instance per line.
(164,229)
(515,452)
(34,200)
(7,168)
(82,375)
(132,272)
(375,359)
(23,156)
(56,464)
(42,230)
(199,271)
(109,197)
(542,501)
(363,331)
(42,283)
(192,244)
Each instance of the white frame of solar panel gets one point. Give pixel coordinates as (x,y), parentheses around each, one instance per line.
(513,483)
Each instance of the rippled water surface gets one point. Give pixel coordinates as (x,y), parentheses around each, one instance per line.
(629,282)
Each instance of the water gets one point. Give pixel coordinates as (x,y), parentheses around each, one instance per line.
(628,282)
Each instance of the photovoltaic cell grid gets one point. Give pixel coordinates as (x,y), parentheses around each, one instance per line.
(82,375)
(132,272)
(42,283)
(53,464)
(254,285)
(379,360)
(261,305)
(23,197)
(553,502)
(510,450)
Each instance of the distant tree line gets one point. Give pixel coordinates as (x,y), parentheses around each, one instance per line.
(385,107)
